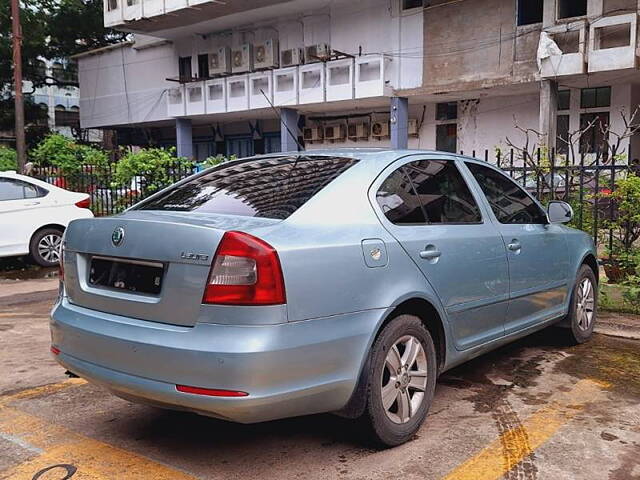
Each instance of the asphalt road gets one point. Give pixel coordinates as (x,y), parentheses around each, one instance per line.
(535,409)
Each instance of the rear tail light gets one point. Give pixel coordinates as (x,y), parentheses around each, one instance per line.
(245,271)
(86,203)
(54,350)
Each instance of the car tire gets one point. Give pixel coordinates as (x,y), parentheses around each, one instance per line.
(397,403)
(583,307)
(43,247)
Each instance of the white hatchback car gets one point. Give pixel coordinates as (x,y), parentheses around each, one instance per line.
(33,216)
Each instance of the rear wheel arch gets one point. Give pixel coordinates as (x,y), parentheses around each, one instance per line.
(431,319)
(55,226)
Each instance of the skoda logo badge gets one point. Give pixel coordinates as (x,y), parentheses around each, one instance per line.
(117,236)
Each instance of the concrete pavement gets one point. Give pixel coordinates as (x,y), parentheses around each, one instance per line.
(532,410)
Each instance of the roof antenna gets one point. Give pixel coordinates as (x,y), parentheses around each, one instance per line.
(295,137)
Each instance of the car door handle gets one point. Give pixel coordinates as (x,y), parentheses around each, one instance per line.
(28,204)
(430,252)
(514,246)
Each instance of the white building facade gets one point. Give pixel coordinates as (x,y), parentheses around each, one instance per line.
(243,77)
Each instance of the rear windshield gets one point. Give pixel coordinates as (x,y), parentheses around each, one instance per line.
(265,187)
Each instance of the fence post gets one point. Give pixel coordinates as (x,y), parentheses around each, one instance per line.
(612,186)
(595,203)
(581,193)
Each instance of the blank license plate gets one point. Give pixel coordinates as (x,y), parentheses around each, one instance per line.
(132,276)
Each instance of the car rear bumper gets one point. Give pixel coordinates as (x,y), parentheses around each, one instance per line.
(287,369)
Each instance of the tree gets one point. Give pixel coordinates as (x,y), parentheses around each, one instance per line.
(54,29)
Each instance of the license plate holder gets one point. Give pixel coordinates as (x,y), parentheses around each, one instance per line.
(134,276)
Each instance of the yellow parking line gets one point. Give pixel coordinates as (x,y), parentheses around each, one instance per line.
(93,459)
(42,390)
(492,463)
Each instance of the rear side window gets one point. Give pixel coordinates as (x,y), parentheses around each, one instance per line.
(11,189)
(510,203)
(265,187)
(427,191)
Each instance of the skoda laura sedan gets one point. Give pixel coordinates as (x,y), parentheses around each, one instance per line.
(335,281)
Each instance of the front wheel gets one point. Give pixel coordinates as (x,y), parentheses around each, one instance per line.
(583,307)
(402,380)
(45,247)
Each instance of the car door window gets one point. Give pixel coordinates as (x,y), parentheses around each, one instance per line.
(427,192)
(444,195)
(11,189)
(510,203)
(399,201)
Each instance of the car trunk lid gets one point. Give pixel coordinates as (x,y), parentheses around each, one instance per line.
(146,265)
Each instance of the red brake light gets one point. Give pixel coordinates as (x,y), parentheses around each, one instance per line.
(54,350)
(86,203)
(211,392)
(245,271)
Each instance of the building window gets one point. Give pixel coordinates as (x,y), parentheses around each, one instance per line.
(447,137)
(184,69)
(594,128)
(564,100)
(112,5)
(599,97)
(562,134)
(447,111)
(409,4)
(67,118)
(572,8)
(529,12)
(131,3)
(203,66)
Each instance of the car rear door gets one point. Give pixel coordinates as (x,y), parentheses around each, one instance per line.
(428,207)
(537,250)
(19,211)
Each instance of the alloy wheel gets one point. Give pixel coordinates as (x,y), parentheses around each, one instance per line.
(49,247)
(404,379)
(585,303)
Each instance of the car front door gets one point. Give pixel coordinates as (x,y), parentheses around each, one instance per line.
(537,250)
(429,209)
(19,207)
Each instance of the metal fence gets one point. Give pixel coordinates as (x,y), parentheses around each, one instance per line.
(108,195)
(586,183)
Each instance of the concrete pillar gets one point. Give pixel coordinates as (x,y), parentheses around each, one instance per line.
(399,122)
(548,112)
(184,137)
(288,123)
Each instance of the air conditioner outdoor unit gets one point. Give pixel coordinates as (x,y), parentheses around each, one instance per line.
(265,54)
(413,127)
(357,131)
(380,129)
(242,58)
(220,61)
(312,134)
(317,53)
(291,57)
(334,132)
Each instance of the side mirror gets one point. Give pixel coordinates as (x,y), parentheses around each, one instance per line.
(559,212)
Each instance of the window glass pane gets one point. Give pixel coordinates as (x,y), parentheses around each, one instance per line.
(572,8)
(529,11)
(409,4)
(447,137)
(443,192)
(16,190)
(447,111)
(509,202)
(599,97)
(398,200)
(564,99)
(562,145)
(603,97)
(266,187)
(594,136)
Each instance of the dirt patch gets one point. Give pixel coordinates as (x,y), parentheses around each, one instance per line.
(612,360)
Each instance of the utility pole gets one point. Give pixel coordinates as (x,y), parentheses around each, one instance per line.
(17,84)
